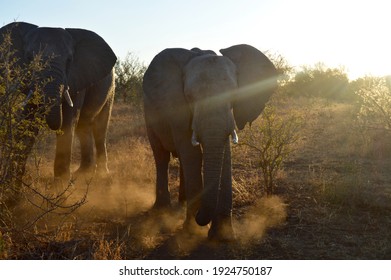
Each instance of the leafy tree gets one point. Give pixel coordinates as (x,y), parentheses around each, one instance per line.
(284,69)
(129,79)
(320,81)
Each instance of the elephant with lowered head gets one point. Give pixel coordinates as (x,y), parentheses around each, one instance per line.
(193,100)
(80,90)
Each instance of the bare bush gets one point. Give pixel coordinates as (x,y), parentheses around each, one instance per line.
(374,104)
(273,138)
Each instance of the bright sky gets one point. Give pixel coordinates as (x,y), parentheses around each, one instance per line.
(353,34)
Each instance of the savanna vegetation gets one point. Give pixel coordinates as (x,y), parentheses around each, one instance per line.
(311,178)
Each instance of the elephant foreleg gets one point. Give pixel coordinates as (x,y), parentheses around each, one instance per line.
(191,162)
(64,142)
(62,158)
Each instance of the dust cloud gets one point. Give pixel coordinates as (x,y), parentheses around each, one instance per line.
(266,212)
(115,200)
(118,208)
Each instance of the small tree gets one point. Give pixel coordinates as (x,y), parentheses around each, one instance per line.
(19,124)
(129,79)
(284,69)
(273,138)
(374,103)
(22,124)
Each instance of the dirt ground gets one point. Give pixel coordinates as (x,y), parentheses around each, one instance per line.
(332,201)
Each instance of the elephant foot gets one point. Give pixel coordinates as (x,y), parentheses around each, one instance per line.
(61,174)
(102,170)
(61,183)
(221,230)
(91,173)
(204,216)
(163,199)
(84,172)
(162,203)
(103,177)
(191,228)
(62,188)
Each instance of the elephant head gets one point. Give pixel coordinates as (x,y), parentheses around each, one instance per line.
(76,58)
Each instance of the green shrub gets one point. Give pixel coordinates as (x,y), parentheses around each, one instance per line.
(19,124)
(129,79)
(320,81)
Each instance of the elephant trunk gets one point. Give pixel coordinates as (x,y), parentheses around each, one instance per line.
(213,155)
(55,91)
(53,99)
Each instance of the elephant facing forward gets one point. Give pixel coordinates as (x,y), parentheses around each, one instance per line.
(193,100)
(80,92)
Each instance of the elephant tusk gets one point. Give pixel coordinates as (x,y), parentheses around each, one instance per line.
(28,97)
(194,140)
(234,136)
(68,97)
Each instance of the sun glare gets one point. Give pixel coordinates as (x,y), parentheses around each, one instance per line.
(353,35)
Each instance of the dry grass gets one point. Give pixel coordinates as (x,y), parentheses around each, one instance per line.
(332,201)
(107,250)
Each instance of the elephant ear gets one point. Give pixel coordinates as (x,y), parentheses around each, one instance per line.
(93,59)
(163,80)
(257,80)
(17,30)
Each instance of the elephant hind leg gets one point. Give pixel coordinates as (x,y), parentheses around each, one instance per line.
(100,127)
(162,159)
(182,189)
(84,133)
